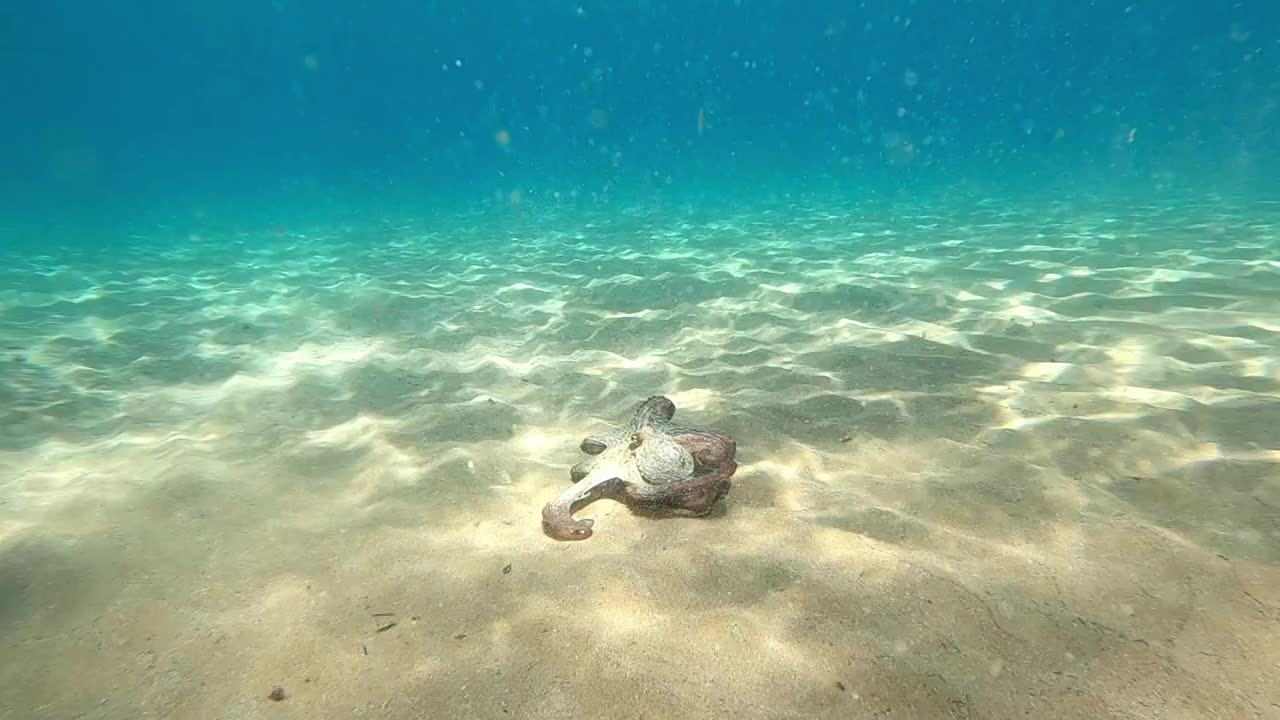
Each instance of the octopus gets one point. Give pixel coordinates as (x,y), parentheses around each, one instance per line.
(649,465)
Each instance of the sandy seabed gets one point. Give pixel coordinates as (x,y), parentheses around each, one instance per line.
(996,462)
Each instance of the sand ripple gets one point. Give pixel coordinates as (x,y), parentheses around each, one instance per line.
(995,460)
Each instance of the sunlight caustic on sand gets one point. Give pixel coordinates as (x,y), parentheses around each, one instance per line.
(990,457)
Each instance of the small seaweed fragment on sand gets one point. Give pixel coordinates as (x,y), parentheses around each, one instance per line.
(387,627)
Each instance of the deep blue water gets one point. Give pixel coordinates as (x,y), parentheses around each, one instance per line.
(119,114)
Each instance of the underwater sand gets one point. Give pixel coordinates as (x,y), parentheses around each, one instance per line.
(997,461)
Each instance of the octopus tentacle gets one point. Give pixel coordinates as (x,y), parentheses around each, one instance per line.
(653,412)
(557,516)
(596,444)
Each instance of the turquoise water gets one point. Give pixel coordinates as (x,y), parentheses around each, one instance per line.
(151,112)
(306,310)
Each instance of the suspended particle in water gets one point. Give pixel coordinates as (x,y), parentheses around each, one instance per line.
(502,137)
(311,62)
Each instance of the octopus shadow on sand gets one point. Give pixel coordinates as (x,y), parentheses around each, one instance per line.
(649,465)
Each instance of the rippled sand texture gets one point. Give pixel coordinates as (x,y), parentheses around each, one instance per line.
(997,462)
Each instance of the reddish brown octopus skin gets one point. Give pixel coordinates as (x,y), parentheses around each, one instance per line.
(714,466)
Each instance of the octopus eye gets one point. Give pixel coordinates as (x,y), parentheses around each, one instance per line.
(636,440)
